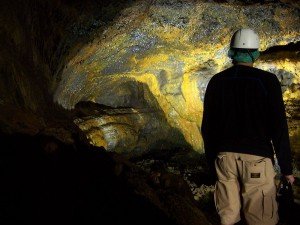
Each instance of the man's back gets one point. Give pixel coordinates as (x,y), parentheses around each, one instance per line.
(246,112)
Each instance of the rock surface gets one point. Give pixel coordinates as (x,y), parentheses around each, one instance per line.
(153,58)
(173,48)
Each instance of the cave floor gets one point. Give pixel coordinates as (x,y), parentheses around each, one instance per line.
(76,186)
(202,187)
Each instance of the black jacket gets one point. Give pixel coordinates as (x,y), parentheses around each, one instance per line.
(244,112)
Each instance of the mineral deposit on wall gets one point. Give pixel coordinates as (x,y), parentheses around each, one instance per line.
(159,56)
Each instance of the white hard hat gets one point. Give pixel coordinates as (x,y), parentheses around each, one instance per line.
(245,39)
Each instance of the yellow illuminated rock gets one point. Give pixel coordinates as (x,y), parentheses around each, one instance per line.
(161,55)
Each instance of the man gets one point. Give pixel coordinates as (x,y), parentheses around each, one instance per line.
(243,124)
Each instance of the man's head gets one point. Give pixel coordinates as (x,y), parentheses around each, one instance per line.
(244,46)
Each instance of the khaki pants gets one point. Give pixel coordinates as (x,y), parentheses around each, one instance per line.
(245,181)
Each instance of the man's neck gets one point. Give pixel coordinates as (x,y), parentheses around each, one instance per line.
(244,64)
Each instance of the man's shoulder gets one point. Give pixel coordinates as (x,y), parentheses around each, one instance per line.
(258,70)
(266,75)
(221,74)
(250,70)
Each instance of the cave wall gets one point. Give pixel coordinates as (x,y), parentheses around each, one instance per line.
(174,48)
(36,39)
(142,66)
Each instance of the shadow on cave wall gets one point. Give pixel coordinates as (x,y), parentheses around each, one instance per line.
(166,146)
(156,137)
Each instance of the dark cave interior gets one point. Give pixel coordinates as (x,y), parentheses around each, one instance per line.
(50,172)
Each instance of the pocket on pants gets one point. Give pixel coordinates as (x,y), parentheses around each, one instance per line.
(215,198)
(221,168)
(262,207)
(269,205)
(254,171)
(220,197)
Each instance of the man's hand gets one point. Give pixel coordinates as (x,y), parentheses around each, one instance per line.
(290,178)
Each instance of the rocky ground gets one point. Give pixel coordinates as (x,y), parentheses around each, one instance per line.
(45,181)
(201,183)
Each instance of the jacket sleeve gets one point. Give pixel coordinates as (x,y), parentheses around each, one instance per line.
(209,121)
(279,128)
